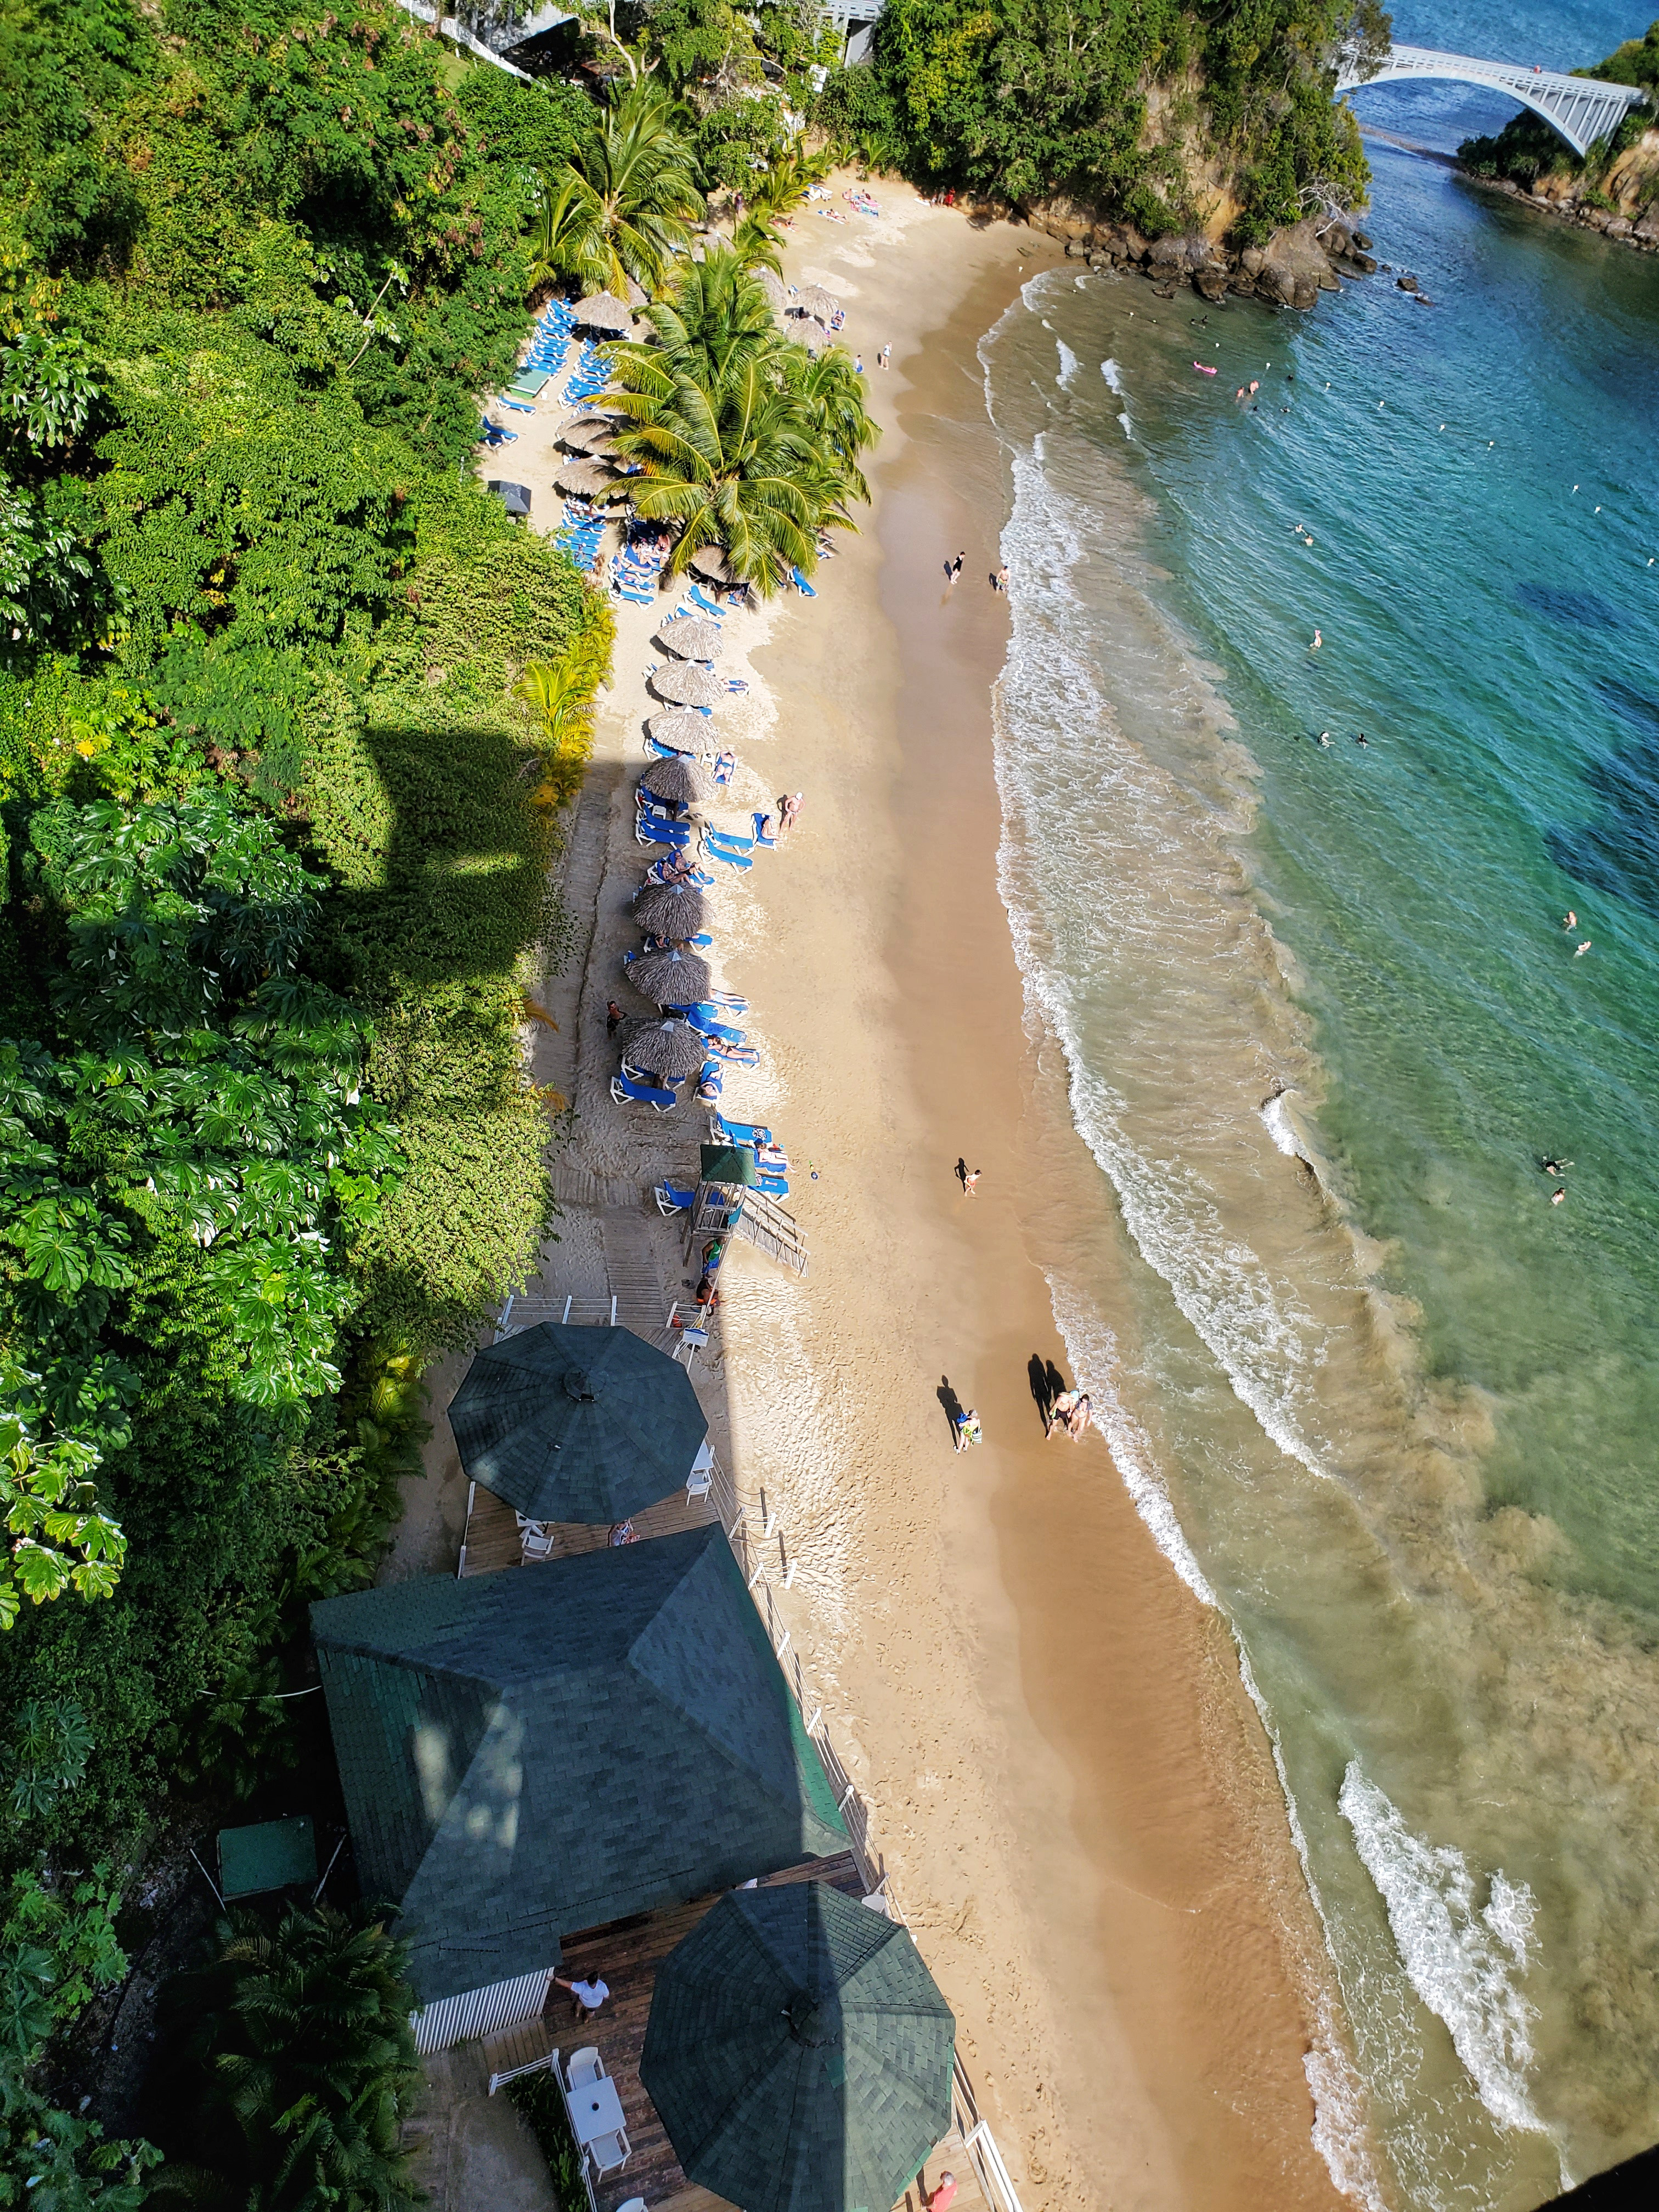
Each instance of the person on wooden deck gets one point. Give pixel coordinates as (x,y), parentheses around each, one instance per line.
(587,1996)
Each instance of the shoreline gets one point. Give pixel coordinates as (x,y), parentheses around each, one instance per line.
(1125,2056)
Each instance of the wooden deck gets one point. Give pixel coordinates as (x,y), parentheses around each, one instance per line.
(627,1955)
(492,1531)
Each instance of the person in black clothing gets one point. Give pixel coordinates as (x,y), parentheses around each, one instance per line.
(613,1014)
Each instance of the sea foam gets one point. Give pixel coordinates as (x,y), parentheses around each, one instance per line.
(1465,1961)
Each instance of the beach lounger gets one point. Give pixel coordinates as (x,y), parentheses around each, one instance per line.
(710,1082)
(671,1201)
(773,1186)
(649,831)
(761,837)
(729,859)
(735,1055)
(707,604)
(722,1131)
(725,1002)
(667,752)
(624,1087)
(707,1025)
(653,943)
(728,840)
(519,406)
(801,584)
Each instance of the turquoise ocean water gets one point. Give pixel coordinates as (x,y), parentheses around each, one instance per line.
(1378,1397)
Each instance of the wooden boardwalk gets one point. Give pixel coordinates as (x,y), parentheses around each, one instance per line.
(492,1531)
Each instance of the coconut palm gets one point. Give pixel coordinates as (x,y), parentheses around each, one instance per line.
(297,2068)
(718,318)
(735,464)
(619,208)
(833,392)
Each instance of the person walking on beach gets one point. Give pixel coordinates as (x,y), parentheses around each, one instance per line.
(884,356)
(968,1428)
(789,808)
(968,1177)
(613,1014)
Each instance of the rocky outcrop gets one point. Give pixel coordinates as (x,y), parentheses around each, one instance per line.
(1295,266)
(1620,200)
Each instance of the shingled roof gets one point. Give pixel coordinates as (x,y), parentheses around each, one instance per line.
(534,1752)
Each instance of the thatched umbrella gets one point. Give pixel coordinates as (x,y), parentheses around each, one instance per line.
(772,284)
(798,2053)
(675,915)
(671,1049)
(672,979)
(587,1424)
(605,312)
(681,728)
(590,434)
(710,562)
(585,479)
(682,782)
(693,637)
(686,684)
(815,339)
(824,307)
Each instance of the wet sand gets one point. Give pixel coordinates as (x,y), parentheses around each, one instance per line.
(1074,1797)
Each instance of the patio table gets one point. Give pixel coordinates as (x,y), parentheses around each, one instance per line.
(595,2110)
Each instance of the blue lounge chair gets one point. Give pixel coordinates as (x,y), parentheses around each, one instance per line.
(711,1082)
(739,861)
(705,1026)
(801,584)
(672,1200)
(720,1130)
(648,831)
(725,1002)
(624,1087)
(772,1186)
(518,406)
(707,604)
(761,837)
(653,943)
(667,752)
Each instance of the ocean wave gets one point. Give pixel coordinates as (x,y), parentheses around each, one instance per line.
(1113,376)
(1069,365)
(1267,1343)
(1465,1961)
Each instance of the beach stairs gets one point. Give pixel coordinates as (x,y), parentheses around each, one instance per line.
(635,1279)
(764,1224)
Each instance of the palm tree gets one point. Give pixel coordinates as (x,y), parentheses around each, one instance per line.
(833,391)
(298,2067)
(719,318)
(735,464)
(619,208)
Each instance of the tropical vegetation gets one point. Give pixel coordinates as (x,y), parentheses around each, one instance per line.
(1527,150)
(1170,115)
(742,438)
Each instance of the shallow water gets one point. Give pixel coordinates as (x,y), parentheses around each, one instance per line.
(1378,1395)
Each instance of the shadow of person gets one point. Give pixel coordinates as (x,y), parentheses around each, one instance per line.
(952,1404)
(1057,1384)
(1041,1390)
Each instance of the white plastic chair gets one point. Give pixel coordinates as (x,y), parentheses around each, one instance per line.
(535,1541)
(586,2065)
(702,1473)
(609,2154)
(632,2204)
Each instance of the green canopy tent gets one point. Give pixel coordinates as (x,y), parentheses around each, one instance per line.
(798,2053)
(586,1425)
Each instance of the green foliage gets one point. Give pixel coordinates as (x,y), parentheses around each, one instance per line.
(54,2161)
(1526,148)
(742,439)
(538,125)
(294,2069)
(1637,62)
(58,1952)
(51,1741)
(537,2096)
(63,1540)
(620,207)
(1022,98)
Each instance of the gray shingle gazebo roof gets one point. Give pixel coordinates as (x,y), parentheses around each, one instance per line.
(798,2053)
(586,1425)
(530,1752)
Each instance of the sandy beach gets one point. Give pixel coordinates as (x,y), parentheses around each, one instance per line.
(1073,1796)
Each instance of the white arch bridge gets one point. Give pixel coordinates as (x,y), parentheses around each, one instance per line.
(1581,108)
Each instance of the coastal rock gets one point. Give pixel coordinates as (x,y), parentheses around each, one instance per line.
(1296,269)
(1243,285)
(1621,227)
(1406,283)
(1595,218)
(1648,225)
(1211,283)
(1362,239)
(1252,260)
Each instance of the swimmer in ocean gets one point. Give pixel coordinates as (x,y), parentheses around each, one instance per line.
(1360,738)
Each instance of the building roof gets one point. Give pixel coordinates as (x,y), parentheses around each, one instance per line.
(530,1752)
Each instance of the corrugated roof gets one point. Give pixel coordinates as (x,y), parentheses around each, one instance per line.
(533,1752)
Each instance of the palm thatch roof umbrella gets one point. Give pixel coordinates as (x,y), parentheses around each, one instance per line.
(772,284)
(799,2052)
(693,637)
(585,479)
(824,307)
(689,685)
(589,434)
(672,979)
(671,1049)
(604,311)
(681,782)
(710,562)
(670,913)
(583,1424)
(816,340)
(681,729)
